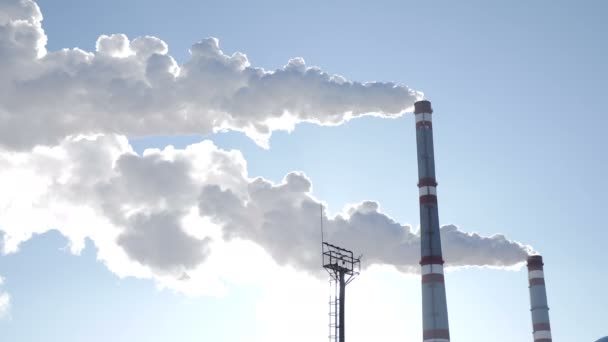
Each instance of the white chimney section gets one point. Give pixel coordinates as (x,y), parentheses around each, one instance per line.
(435,326)
(538,300)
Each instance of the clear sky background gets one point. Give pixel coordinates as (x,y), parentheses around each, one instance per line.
(520,125)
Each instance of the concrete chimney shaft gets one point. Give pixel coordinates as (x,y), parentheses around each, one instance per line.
(538,300)
(434,305)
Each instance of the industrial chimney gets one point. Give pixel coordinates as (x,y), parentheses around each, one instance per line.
(434,306)
(538,300)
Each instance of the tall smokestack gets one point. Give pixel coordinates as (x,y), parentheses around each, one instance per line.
(538,300)
(434,306)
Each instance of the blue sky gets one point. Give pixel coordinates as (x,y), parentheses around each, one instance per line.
(520,142)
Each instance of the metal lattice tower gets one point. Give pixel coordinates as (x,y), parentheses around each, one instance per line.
(342,267)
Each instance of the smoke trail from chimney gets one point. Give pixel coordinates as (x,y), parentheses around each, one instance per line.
(135,87)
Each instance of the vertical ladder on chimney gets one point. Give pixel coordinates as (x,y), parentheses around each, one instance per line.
(334,312)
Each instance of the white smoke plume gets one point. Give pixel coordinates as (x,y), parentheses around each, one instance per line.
(284,219)
(175,214)
(134,87)
(160,213)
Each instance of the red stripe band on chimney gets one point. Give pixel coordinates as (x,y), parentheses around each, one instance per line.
(433,278)
(428,199)
(537,281)
(431,259)
(436,333)
(535,261)
(541,326)
(427,182)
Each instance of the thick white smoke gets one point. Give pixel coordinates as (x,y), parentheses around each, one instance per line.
(177,215)
(284,219)
(140,209)
(134,87)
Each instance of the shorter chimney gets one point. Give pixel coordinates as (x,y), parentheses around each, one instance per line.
(538,300)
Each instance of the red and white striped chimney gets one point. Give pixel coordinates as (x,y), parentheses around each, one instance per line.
(538,300)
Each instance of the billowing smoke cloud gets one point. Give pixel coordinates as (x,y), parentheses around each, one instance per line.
(138,210)
(173,214)
(134,87)
(98,188)
(284,219)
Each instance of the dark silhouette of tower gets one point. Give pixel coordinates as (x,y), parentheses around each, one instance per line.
(434,305)
(342,267)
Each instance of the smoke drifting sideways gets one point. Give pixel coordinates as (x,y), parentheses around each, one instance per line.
(176,215)
(135,88)
(164,213)
(284,219)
